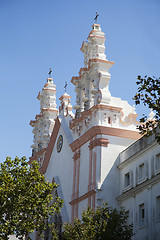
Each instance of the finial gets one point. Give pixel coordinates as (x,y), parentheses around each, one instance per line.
(50,71)
(65,86)
(95,19)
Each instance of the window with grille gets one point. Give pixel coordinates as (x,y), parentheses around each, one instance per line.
(141,215)
(127,179)
(141,171)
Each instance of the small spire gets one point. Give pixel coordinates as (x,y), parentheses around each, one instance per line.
(95,19)
(65,86)
(49,74)
(65,104)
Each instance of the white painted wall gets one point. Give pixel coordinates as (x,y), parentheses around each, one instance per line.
(141,191)
(84,169)
(61,165)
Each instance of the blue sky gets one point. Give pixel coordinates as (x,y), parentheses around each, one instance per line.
(38,34)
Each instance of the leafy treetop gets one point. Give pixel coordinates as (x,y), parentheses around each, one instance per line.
(104,223)
(149,94)
(26,199)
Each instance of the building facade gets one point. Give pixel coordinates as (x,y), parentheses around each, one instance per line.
(96,155)
(139,167)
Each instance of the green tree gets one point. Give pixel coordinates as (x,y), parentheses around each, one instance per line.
(149,94)
(104,223)
(26,200)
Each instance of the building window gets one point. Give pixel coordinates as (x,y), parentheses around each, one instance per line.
(141,171)
(127,179)
(141,215)
(158,162)
(158,208)
(109,120)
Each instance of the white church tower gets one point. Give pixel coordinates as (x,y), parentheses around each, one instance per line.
(44,122)
(103,126)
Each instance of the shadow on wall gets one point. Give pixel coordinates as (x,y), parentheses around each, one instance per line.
(110,188)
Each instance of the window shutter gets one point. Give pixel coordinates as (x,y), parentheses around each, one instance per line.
(146,169)
(131,178)
(146,215)
(136,175)
(152,167)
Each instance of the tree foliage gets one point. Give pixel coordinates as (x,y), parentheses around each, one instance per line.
(26,199)
(104,223)
(149,94)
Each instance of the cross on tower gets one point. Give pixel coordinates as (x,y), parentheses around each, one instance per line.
(95,19)
(65,86)
(50,71)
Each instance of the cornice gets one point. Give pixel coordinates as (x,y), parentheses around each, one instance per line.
(32,122)
(64,96)
(107,107)
(89,112)
(47,83)
(98,142)
(76,155)
(49,110)
(133,191)
(96,36)
(96,130)
(37,155)
(90,61)
(49,89)
(137,154)
(83,197)
(38,116)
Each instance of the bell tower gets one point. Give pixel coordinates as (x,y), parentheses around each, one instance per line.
(92,84)
(44,122)
(103,127)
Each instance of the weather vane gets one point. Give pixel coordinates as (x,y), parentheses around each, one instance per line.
(65,86)
(95,19)
(50,71)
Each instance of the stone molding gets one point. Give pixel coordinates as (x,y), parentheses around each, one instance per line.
(83,197)
(93,60)
(50,146)
(86,113)
(96,130)
(98,142)
(76,155)
(37,155)
(133,191)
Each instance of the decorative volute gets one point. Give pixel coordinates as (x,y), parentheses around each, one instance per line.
(44,122)
(92,84)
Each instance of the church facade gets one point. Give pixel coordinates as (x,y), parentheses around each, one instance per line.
(97,155)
